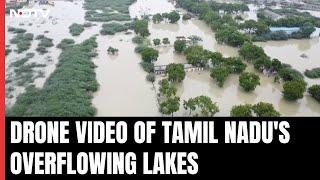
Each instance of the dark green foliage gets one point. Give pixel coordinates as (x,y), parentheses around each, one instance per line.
(314,91)
(16,30)
(166,89)
(141,28)
(265,110)
(186,16)
(151,77)
(23,41)
(157,18)
(251,52)
(65,43)
(173,17)
(157,42)
(294,90)
(8,51)
(249,81)
(44,44)
(197,56)
(289,74)
(149,55)
(241,111)
(231,36)
(67,91)
(235,65)
(165,41)
(112,50)
(170,106)
(76,29)
(108,8)
(112,28)
(220,74)
(175,72)
(180,46)
(138,39)
(313,73)
(201,104)
(148,67)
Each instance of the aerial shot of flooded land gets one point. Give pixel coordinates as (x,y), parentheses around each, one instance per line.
(239,58)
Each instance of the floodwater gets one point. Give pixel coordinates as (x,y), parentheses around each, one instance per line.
(64,17)
(124,90)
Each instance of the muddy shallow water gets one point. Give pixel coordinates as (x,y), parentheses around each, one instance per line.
(124,90)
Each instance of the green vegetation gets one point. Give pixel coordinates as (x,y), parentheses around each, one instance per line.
(314,91)
(76,29)
(149,55)
(43,44)
(141,28)
(157,18)
(16,30)
(67,91)
(8,51)
(186,16)
(197,56)
(261,109)
(220,74)
(175,72)
(313,73)
(151,77)
(107,10)
(65,43)
(294,90)
(138,39)
(249,81)
(112,28)
(180,46)
(157,42)
(112,50)
(202,105)
(23,41)
(231,36)
(169,102)
(172,17)
(165,41)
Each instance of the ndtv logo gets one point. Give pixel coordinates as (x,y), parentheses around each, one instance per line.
(28,13)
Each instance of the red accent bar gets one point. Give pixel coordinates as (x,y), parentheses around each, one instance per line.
(2,90)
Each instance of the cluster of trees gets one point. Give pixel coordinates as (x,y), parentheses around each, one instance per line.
(228,7)
(260,109)
(314,91)
(76,29)
(313,73)
(43,44)
(107,10)
(172,17)
(249,81)
(58,97)
(21,39)
(112,28)
(175,72)
(169,103)
(141,27)
(112,50)
(157,41)
(294,86)
(231,36)
(201,106)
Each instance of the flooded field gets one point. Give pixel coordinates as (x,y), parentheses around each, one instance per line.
(124,90)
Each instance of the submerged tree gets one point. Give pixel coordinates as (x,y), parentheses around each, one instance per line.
(249,81)
(112,50)
(175,72)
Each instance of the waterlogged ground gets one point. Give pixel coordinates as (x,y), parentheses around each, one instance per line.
(124,90)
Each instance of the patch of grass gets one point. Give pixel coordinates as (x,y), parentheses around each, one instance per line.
(23,41)
(112,28)
(313,73)
(67,91)
(44,44)
(111,10)
(65,43)
(76,29)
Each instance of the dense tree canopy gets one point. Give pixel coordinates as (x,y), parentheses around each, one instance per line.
(149,55)
(294,90)
(249,81)
(175,72)
(314,91)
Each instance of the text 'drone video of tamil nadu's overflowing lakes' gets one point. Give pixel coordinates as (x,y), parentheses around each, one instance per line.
(163,58)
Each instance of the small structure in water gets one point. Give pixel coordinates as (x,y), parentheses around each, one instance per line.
(304,56)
